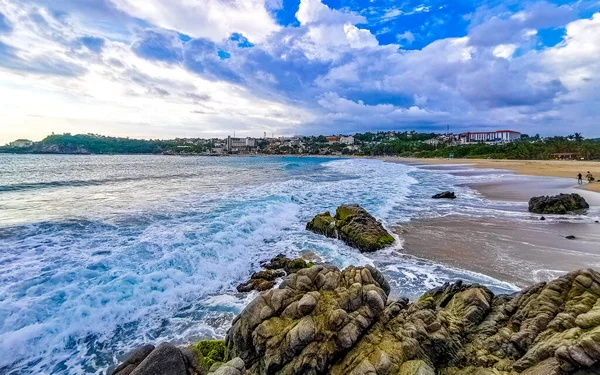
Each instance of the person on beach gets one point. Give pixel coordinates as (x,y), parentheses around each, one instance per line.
(590,177)
(580,179)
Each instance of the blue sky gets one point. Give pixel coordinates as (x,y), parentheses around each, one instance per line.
(207,68)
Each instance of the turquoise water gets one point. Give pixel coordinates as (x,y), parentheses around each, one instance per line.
(99,254)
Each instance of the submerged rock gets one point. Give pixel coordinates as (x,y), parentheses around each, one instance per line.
(558,204)
(445,195)
(353,225)
(275,268)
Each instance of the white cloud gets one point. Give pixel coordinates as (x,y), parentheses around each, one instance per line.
(408,36)
(505,51)
(211,19)
(314,11)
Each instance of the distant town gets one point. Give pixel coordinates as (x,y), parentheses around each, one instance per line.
(500,143)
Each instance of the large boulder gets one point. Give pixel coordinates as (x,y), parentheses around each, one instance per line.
(558,204)
(165,359)
(353,225)
(314,317)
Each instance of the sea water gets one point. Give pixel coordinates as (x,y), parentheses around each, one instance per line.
(100,254)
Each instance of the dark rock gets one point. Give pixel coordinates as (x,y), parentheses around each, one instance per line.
(132,360)
(445,195)
(277,263)
(559,204)
(165,359)
(353,225)
(542,218)
(571,237)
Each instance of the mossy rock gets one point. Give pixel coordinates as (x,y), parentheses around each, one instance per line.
(353,225)
(323,224)
(359,229)
(209,352)
(296,265)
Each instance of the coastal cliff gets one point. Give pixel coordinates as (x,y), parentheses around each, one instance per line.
(322,320)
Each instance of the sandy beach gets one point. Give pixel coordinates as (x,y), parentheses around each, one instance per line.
(521,252)
(549,168)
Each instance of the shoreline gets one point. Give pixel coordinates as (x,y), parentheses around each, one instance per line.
(524,250)
(542,168)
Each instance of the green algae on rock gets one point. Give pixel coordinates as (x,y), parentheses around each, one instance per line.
(353,225)
(209,352)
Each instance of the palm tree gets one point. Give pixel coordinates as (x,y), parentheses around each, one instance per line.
(578,137)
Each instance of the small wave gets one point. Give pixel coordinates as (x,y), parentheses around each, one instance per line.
(81,183)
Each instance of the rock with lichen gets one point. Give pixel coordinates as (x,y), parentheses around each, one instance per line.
(353,225)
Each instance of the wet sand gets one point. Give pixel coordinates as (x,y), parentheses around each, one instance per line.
(517,251)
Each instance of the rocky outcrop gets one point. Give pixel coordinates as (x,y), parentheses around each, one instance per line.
(445,195)
(275,268)
(314,317)
(353,225)
(558,204)
(325,321)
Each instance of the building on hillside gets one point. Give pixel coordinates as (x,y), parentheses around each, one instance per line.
(19,143)
(240,145)
(347,140)
(500,136)
(332,140)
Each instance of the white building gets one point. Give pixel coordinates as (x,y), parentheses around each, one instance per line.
(497,136)
(21,143)
(347,140)
(240,144)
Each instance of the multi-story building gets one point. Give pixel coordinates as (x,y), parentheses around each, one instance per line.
(347,140)
(497,136)
(237,145)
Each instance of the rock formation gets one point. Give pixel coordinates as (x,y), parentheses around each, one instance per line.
(275,268)
(558,204)
(445,195)
(325,321)
(353,225)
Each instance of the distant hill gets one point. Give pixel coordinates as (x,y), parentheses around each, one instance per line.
(91,144)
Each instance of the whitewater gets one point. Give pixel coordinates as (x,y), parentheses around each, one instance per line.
(100,254)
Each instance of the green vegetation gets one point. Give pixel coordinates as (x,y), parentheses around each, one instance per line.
(368,144)
(523,149)
(98,144)
(209,352)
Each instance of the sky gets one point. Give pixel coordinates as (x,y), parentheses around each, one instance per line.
(209,68)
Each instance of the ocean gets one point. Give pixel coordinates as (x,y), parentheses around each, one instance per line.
(100,254)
